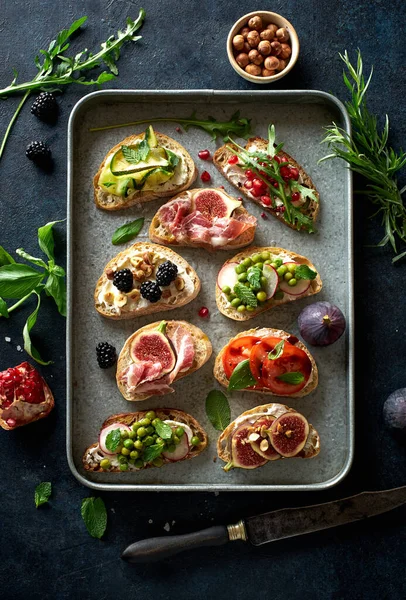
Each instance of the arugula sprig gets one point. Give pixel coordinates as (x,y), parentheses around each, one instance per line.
(367,153)
(19,281)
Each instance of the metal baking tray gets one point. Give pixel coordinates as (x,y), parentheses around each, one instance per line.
(92,394)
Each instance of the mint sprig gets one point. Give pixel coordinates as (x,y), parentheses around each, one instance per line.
(152,452)
(136,155)
(254,275)
(305,272)
(245,294)
(113,440)
(163,430)
(94,515)
(218,409)
(42,493)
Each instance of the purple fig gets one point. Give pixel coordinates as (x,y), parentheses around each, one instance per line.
(259,439)
(288,434)
(242,454)
(321,323)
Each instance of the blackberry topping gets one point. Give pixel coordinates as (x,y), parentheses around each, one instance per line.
(106,355)
(150,291)
(39,153)
(123,280)
(45,107)
(166,273)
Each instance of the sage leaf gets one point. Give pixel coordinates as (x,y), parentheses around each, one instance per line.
(28,346)
(163,430)
(56,287)
(277,351)
(94,514)
(5,258)
(113,440)
(294,377)
(46,239)
(218,409)
(42,493)
(33,259)
(17,280)
(3,309)
(152,452)
(241,378)
(127,232)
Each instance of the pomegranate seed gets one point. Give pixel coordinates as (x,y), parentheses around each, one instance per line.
(205,176)
(11,422)
(276,184)
(257,193)
(258,184)
(263,173)
(263,215)
(240,198)
(277,158)
(204,154)
(221,187)
(233,159)
(204,312)
(249,174)
(285,172)
(296,196)
(178,129)
(248,184)
(294,173)
(266,200)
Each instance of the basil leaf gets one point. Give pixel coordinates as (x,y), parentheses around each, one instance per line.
(163,430)
(113,440)
(5,258)
(304,272)
(3,309)
(28,347)
(17,280)
(94,515)
(246,295)
(241,378)
(254,275)
(127,232)
(56,287)
(152,452)
(42,493)
(46,238)
(294,377)
(218,409)
(277,351)
(58,271)
(33,259)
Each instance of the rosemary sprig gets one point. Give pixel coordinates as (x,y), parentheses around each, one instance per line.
(367,153)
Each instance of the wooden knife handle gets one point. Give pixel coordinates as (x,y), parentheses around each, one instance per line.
(154,549)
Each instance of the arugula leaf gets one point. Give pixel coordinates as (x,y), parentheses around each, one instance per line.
(94,514)
(163,430)
(303,190)
(127,232)
(5,258)
(294,377)
(277,351)
(241,378)
(36,261)
(42,493)
(218,409)
(17,280)
(113,440)
(152,452)
(305,272)
(28,346)
(245,294)
(56,287)
(302,219)
(46,239)
(3,309)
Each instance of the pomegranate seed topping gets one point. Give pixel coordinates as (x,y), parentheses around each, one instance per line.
(296,196)
(276,184)
(11,422)
(221,187)
(277,158)
(294,173)
(263,174)
(239,198)
(263,215)
(203,312)
(285,172)
(248,184)
(205,176)
(204,154)
(280,209)
(22,382)
(259,184)
(257,193)
(266,200)
(178,129)
(249,174)
(233,159)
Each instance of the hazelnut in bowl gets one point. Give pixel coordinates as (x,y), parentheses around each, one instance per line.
(262,46)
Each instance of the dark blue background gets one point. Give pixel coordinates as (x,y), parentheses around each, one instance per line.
(47,553)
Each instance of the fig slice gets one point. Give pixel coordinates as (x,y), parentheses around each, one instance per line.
(242,453)
(288,434)
(261,445)
(214,204)
(153,346)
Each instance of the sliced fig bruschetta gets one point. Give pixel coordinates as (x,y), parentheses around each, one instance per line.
(266,433)
(144,439)
(157,355)
(203,218)
(270,361)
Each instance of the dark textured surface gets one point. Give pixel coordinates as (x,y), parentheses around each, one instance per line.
(47,553)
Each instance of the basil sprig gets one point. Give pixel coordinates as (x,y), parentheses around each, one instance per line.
(218,409)
(241,378)
(294,377)
(127,232)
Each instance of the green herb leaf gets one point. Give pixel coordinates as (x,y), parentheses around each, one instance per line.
(108,184)
(46,239)
(133,155)
(306,192)
(294,377)
(127,232)
(271,140)
(245,294)
(163,430)
(113,440)
(28,346)
(277,351)
(172,157)
(3,309)
(17,280)
(56,287)
(254,275)
(42,493)
(152,452)
(301,219)
(241,378)
(5,258)
(218,409)
(33,259)
(305,272)
(94,515)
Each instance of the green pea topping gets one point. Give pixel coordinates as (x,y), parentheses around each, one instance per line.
(292,282)
(269,261)
(145,422)
(287,276)
(242,308)
(155,437)
(124,467)
(131,461)
(122,459)
(291,268)
(282,270)
(159,440)
(148,441)
(250,309)
(264,281)
(129,444)
(134,454)
(125,451)
(195,441)
(247,262)
(278,295)
(242,277)
(105,463)
(226,289)
(236,302)
(142,432)
(176,440)
(179,431)
(261,296)
(155,422)
(158,461)
(240,269)
(260,265)
(124,434)
(139,464)
(150,415)
(256,258)
(265,255)
(132,434)
(150,430)
(171,448)
(278,262)
(138,445)
(136,426)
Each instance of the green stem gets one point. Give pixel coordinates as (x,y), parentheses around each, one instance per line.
(10,125)
(133,123)
(17,304)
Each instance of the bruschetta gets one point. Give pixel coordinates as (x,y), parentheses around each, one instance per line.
(144,439)
(203,218)
(159,354)
(142,168)
(145,278)
(258,279)
(266,433)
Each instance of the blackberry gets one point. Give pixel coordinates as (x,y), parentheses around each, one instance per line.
(106,355)
(39,153)
(45,107)
(166,273)
(150,291)
(123,280)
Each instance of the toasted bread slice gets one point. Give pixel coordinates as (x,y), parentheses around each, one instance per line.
(160,232)
(181,291)
(93,455)
(224,305)
(310,450)
(202,353)
(237,177)
(184,175)
(263,332)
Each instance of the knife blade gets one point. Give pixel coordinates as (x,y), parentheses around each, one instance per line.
(271,526)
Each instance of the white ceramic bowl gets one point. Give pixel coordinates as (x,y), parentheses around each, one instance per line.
(267,17)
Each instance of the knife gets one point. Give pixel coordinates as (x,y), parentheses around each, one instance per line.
(271,526)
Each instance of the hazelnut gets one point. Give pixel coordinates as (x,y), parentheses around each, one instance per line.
(253,69)
(134,294)
(264,48)
(242,60)
(253,39)
(282,34)
(253,437)
(238,42)
(135,261)
(282,64)
(271,63)
(264,445)
(139,275)
(180,284)
(267,34)
(255,23)
(147,269)
(272,28)
(267,73)
(121,300)
(109,297)
(109,273)
(244,32)
(255,57)
(247,47)
(286,51)
(276,48)
(166,294)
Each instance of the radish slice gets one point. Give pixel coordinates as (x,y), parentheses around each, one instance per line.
(272,280)
(104,433)
(181,450)
(295,290)
(227,276)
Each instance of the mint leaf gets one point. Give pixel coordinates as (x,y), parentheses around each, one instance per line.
(42,493)
(152,452)
(17,280)
(131,155)
(277,351)
(113,440)
(28,346)
(5,258)
(56,287)
(172,158)
(94,514)
(241,378)
(245,294)
(218,409)
(46,239)
(163,430)
(3,309)
(294,377)
(127,232)
(304,272)
(254,277)
(143,149)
